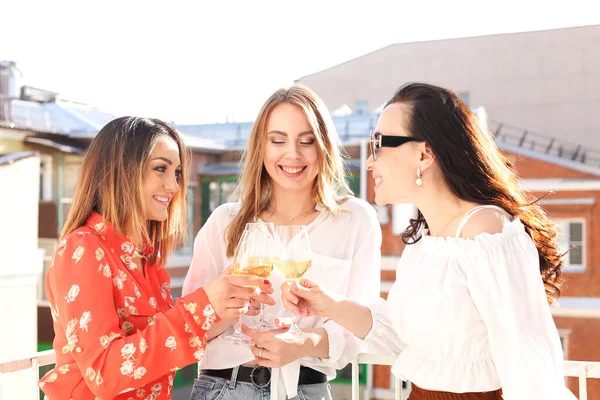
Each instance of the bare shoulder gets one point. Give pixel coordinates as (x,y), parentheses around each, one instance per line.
(488,220)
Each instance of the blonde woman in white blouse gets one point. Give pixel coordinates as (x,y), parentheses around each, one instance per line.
(468,315)
(293,175)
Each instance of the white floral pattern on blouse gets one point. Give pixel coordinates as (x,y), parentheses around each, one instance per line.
(121,328)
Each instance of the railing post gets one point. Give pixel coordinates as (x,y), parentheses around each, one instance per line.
(523,138)
(576,153)
(498,129)
(355,380)
(398,391)
(35,366)
(583,383)
(550,145)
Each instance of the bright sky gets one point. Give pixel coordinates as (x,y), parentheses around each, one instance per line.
(199,61)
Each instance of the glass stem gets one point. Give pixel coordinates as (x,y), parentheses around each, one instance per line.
(263,320)
(238,327)
(293,328)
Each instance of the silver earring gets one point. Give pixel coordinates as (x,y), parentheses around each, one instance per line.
(419,175)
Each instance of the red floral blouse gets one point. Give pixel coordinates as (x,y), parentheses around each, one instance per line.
(118,333)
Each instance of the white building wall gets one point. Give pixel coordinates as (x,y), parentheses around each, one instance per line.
(20,269)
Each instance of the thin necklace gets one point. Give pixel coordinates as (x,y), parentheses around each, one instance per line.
(291,218)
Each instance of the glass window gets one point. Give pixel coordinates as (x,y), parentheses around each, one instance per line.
(571,238)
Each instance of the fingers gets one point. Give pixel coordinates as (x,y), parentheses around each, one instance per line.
(304,292)
(246,286)
(261,353)
(286,293)
(236,312)
(248,280)
(254,335)
(307,283)
(263,298)
(282,322)
(237,303)
(290,306)
(254,308)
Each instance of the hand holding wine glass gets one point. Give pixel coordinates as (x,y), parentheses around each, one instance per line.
(253,257)
(292,261)
(307,298)
(258,261)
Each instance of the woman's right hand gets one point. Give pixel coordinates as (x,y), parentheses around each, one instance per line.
(307,298)
(230,295)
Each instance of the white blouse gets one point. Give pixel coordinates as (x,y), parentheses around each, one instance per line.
(346,259)
(472,316)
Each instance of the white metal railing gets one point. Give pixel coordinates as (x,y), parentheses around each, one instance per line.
(582,370)
(577,369)
(34,363)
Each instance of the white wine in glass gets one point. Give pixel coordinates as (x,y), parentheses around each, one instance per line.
(292,261)
(238,268)
(292,270)
(259,260)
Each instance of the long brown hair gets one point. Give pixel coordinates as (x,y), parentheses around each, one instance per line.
(110,183)
(255,187)
(476,170)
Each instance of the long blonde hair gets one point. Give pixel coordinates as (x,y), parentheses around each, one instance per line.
(110,183)
(255,187)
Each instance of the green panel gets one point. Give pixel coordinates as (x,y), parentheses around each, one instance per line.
(44,346)
(204,211)
(186,376)
(345,375)
(353,179)
(206,181)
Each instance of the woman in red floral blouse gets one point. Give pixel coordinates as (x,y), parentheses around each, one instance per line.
(118,332)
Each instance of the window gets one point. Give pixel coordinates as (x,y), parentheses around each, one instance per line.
(45,178)
(188,247)
(571,238)
(48,246)
(216,191)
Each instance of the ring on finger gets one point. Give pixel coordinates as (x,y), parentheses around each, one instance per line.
(260,353)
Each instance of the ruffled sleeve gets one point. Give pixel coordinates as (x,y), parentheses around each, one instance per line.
(382,338)
(503,278)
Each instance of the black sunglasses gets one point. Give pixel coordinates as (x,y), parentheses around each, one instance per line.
(377,140)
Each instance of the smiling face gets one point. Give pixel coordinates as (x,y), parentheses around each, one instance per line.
(394,171)
(291,155)
(161,179)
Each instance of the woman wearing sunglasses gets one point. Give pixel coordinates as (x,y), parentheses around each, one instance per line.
(468,315)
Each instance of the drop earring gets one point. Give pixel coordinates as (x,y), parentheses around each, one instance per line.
(419,181)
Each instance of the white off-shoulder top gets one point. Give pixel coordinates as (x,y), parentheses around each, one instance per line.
(472,316)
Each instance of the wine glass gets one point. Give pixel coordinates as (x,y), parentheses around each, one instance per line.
(293,260)
(239,263)
(261,252)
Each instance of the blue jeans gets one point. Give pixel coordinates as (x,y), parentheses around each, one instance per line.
(212,388)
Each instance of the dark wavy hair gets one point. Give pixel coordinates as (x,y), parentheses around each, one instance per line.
(475,170)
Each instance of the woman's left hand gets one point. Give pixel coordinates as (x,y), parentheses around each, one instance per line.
(272,352)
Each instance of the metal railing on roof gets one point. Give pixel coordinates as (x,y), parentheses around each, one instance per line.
(540,143)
